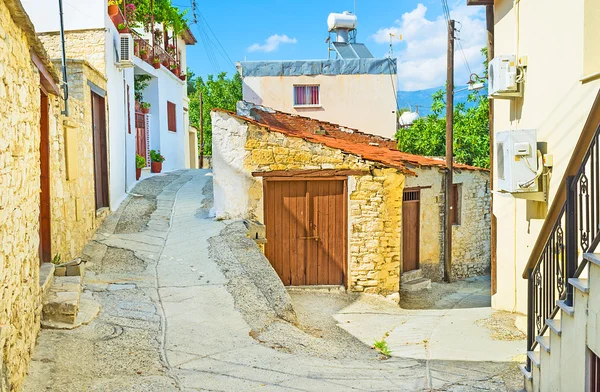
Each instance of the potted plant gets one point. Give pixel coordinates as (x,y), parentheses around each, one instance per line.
(182,77)
(145,107)
(156,161)
(122,28)
(156,63)
(136,49)
(144,54)
(140,163)
(165,62)
(113,7)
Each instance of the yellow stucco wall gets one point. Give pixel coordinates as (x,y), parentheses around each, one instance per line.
(555,103)
(364,102)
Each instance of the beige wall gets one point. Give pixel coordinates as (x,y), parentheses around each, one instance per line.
(72,188)
(470,239)
(79,44)
(555,102)
(364,102)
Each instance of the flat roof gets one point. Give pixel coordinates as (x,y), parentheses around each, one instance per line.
(381,66)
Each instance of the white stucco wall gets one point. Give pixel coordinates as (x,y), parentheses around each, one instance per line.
(364,102)
(78,14)
(555,102)
(231,180)
(121,144)
(172,144)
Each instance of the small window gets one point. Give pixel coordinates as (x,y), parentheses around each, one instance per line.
(171,115)
(307,96)
(455,203)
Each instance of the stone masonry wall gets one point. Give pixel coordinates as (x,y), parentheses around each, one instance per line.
(375,209)
(470,238)
(73,216)
(19,201)
(79,44)
(375,203)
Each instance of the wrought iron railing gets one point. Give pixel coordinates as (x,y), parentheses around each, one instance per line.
(576,231)
(154,51)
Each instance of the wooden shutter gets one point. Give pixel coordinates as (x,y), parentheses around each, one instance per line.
(455,204)
(128,111)
(171,115)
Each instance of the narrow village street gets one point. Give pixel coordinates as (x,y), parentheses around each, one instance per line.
(181,312)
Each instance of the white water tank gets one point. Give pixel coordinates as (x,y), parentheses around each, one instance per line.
(344,21)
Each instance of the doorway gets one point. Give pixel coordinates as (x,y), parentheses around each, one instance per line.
(100,151)
(411,228)
(45,248)
(306,230)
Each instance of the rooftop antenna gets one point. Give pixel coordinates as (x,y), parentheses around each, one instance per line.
(392,35)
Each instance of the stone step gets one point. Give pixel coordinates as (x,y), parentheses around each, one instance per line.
(554,325)
(535,357)
(416,285)
(580,284)
(544,342)
(63,299)
(411,275)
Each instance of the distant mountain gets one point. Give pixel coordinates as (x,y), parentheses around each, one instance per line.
(422,98)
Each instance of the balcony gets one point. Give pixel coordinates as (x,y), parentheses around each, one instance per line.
(152,53)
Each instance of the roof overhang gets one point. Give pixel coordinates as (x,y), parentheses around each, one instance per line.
(188,37)
(46,79)
(480,2)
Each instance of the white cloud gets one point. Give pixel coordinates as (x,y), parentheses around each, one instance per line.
(422,53)
(272,43)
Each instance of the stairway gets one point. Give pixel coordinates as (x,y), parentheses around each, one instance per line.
(63,305)
(414,281)
(560,360)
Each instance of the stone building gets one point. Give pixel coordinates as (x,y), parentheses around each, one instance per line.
(334,201)
(27,82)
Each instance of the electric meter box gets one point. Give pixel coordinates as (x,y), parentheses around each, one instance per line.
(502,76)
(516,160)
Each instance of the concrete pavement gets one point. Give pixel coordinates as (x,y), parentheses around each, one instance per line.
(169,323)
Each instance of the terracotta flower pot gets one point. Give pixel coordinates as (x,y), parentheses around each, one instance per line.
(165,63)
(156,65)
(113,10)
(145,57)
(138,173)
(145,110)
(124,31)
(182,77)
(156,167)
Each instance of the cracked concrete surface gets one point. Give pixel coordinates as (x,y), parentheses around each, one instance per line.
(170,323)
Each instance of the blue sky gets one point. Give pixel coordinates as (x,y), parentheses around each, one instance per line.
(284,30)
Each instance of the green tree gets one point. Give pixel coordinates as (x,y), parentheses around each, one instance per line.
(220,92)
(427,135)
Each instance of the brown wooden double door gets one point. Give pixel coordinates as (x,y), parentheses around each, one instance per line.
(306,230)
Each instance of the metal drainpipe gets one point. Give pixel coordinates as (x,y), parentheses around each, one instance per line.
(65,85)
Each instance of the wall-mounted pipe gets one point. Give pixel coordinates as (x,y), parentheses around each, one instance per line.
(65,85)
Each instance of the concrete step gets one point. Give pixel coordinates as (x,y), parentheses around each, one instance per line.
(88,311)
(593,258)
(416,285)
(580,284)
(554,325)
(544,342)
(569,310)
(535,357)
(411,275)
(63,299)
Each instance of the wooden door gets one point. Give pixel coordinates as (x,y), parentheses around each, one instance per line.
(45,248)
(140,137)
(306,231)
(411,227)
(100,151)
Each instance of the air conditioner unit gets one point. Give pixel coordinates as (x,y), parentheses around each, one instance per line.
(517,161)
(126,51)
(502,74)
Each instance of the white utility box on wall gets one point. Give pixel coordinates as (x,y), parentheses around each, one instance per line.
(517,161)
(502,72)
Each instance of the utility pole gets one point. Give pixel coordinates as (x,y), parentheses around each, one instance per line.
(201,127)
(449,153)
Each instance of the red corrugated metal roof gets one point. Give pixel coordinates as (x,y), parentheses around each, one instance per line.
(370,147)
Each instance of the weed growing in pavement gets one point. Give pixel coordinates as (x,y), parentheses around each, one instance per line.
(383,348)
